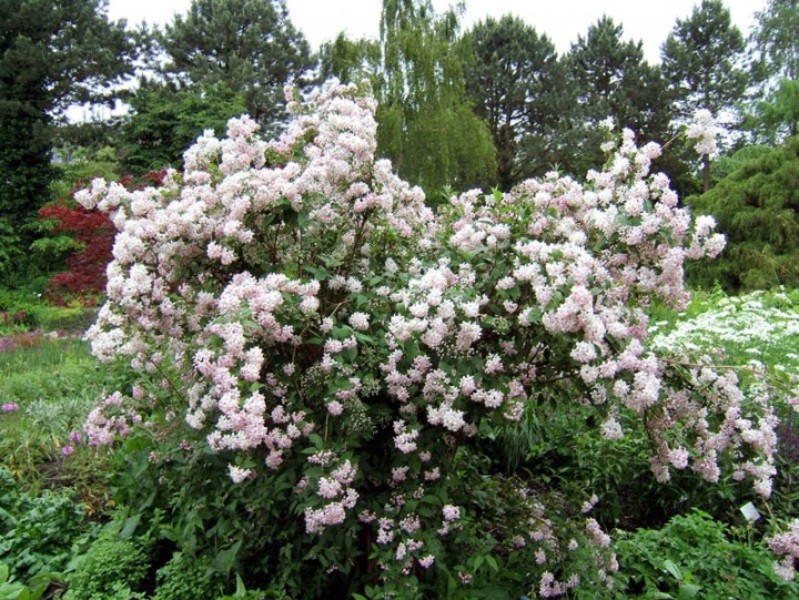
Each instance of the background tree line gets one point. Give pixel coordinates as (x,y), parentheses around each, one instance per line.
(488,106)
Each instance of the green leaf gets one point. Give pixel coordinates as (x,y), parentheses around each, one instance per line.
(241,589)
(492,562)
(688,590)
(131,523)
(224,559)
(673,570)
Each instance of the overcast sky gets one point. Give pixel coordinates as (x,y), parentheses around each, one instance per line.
(562,20)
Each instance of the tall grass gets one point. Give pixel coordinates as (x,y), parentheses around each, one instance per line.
(53,384)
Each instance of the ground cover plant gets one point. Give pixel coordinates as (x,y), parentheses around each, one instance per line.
(299,320)
(695,556)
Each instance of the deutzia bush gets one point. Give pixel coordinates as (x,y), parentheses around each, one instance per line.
(302,309)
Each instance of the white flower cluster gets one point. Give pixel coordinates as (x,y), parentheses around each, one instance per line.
(704,130)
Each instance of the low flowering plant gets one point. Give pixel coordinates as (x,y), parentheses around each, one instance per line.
(301,308)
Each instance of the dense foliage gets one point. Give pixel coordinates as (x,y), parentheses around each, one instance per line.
(345,349)
(330,385)
(614,82)
(166,121)
(702,62)
(421,91)
(756,206)
(89,237)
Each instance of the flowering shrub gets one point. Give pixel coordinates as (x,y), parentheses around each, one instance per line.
(786,546)
(305,312)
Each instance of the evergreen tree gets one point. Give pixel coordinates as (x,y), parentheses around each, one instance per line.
(701,60)
(164,122)
(518,87)
(757,208)
(426,124)
(250,46)
(614,81)
(52,53)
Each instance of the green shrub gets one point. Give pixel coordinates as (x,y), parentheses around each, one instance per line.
(35,588)
(36,532)
(111,568)
(185,578)
(694,556)
(756,207)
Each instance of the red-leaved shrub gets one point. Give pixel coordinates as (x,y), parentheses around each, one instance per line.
(85,277)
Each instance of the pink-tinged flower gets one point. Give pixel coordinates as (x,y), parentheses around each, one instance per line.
(601,539)
(237,474)
(359,321)
(399,473)
(329,488)
(589,504)
(10,407)
(451,513)
(679,458)
(786,546)
(67,450)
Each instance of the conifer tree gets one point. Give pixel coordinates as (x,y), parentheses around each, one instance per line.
(250,46)
(52,54)
(702,59)
(757,208)
(518,87)
(614,81)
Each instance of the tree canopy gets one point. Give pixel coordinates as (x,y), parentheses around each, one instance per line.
(518,87)
(426,124)
(248,45)
(613,80)
(166,121)
(702,60)
(52,53)
(775,38)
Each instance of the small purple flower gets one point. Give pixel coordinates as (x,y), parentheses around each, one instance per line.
(67,450)
(76,437)
(10,407)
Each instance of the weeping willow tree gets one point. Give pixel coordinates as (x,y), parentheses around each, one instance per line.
(757,208)
(426,124)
